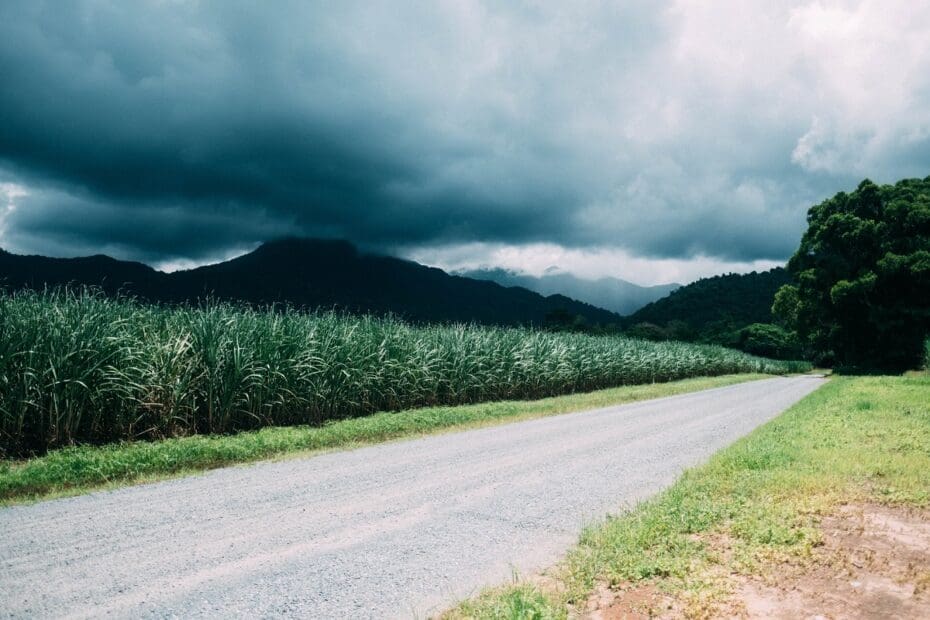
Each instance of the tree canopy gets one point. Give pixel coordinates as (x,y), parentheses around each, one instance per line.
(862,271)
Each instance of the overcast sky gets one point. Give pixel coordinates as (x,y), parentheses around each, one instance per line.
(656,141)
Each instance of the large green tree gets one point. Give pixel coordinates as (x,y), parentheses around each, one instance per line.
(862,295)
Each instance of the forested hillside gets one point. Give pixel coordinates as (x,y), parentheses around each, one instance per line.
(716,309)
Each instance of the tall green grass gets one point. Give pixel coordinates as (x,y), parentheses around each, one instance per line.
(77,367)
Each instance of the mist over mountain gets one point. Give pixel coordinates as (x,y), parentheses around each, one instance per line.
(311,274)
(611,294)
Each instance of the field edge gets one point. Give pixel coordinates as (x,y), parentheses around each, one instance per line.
(78,470)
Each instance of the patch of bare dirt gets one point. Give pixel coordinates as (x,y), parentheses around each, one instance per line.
(874,563)
(629,603)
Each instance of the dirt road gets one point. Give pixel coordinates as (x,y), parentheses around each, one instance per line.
(401,529)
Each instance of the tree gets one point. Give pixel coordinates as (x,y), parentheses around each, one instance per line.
(768,340)
(647,331)
(561,320)
(863,277)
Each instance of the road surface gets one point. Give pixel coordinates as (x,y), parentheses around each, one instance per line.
(401,529)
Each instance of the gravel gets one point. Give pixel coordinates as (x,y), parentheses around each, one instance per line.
(401,529)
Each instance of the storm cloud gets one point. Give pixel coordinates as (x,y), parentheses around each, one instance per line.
(183,131)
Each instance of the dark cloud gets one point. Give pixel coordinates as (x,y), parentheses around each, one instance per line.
(165,130)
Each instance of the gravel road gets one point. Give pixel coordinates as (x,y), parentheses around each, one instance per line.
(400,529)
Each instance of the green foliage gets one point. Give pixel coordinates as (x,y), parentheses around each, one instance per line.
(714,311)
(863,277)
(647,331)
(673,330)
(82,368)
(736,299)
(785,306)
(521,602)
(768,340)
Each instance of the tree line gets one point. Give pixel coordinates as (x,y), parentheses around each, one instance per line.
(855,294)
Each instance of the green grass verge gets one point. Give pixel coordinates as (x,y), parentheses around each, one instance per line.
(857,439)
(75,470)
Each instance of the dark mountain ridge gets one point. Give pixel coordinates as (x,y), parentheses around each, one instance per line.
(309,274)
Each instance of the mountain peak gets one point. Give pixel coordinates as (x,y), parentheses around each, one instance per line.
(298,245)
(311,274)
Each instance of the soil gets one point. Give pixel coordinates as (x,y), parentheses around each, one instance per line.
(874,563)
(629,603)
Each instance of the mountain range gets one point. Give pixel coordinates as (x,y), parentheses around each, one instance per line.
(611,294)
(310,274)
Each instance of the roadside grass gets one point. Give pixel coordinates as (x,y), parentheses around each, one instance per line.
(856,439)
(76,470)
